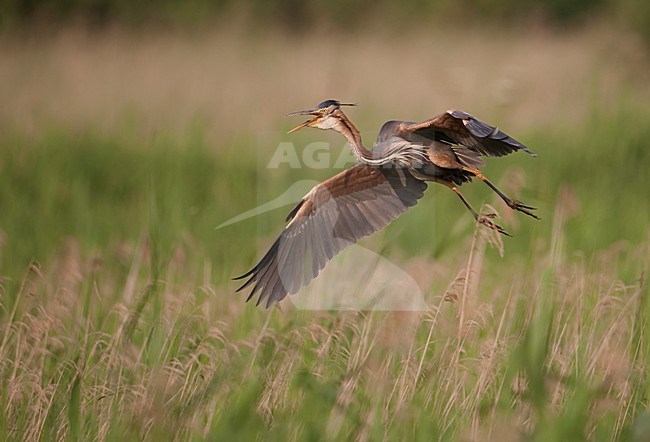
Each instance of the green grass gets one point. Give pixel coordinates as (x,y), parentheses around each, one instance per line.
(118,320)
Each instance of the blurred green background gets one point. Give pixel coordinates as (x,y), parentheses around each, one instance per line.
(298,16)
(130,130)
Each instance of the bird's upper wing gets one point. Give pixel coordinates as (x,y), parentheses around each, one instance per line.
(333,215)
(462,128)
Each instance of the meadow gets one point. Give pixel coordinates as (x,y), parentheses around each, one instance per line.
(118,318)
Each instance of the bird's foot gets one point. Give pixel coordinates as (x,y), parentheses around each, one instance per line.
(486,220)
(518,206)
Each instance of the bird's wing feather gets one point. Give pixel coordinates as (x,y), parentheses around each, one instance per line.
(333,215)
(465,129)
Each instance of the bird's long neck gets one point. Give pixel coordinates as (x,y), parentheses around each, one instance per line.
(398,152)
(353,136)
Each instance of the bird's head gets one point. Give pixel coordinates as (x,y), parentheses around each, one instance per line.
(327,115)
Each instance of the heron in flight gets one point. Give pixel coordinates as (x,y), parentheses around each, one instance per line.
(385,181)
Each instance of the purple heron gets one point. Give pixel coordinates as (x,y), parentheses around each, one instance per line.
(385,181)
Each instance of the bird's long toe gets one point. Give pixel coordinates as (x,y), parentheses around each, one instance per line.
(487,222)
(518,206)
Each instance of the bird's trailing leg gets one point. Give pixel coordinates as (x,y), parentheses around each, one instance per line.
(513,204)
(486,220)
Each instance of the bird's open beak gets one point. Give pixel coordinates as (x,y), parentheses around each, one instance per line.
(306,123)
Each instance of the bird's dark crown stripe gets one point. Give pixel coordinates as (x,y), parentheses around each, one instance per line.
(328,103)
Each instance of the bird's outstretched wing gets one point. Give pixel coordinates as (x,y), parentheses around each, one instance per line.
(333,215)
(459,127)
